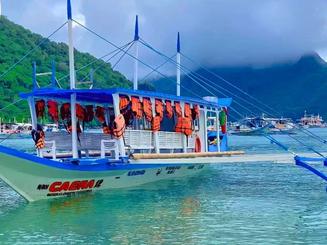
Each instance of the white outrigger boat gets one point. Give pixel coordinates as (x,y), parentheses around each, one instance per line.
(147,136)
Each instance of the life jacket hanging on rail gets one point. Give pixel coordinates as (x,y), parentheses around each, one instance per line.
(187,126)
(99,114)
(187,110)
(159,108)
(155,124)
(65,111)
(53,110)
(179,125)
(38,136)
(89,113)
(125,108)
(123,103)
(169,109)
(195,112)
(184,125)
(178,109)
(80,112)
(147,108)
(40,108)
(137,107)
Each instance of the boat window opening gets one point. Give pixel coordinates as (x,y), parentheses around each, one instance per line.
(196,125)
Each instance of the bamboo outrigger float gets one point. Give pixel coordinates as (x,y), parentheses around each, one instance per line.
(146,137)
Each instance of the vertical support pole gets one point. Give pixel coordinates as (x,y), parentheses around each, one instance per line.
(53,74)
(33,117)
(106,114)
(205,129)
(218,130)
(0,125)
(34,76)
(91,78)
(178,64)
(33,112)
(184,138)
(155,134)
(121,144)
(136,41)
(72,80)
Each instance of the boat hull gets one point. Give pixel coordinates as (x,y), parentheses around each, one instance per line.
(37,178)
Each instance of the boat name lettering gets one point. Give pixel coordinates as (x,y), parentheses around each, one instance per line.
(136,172)
(42,187)
(59,186)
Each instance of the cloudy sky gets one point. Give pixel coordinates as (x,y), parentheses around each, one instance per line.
(215,32)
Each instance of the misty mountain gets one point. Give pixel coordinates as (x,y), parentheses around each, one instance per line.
(289,87)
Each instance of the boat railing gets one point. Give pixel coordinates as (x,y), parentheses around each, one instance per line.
(110,146)
(98,143)
(144,140)
(139,139)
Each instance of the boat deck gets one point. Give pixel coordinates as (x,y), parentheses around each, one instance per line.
(285,158)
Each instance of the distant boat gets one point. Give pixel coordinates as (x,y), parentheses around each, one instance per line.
(311,121)
(262,125)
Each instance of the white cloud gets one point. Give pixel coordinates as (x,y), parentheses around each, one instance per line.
(215,32)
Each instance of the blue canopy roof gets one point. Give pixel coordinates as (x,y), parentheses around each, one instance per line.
(105,96)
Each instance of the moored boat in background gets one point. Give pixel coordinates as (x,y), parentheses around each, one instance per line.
(311,121)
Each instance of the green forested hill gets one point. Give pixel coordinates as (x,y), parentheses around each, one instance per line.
(15,41)
(290,88)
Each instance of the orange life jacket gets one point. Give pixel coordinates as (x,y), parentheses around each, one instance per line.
(137,107)
(155,125)
(169,109)
(40,140)
(80,112)
(187,126)
(147,108)
(179,125)
(159,108)
(196,112)
(178,109)
(118,126)
(89,113)
(187,110)
(39,108)
(65,111)
(53,110)
(184,125)
(99,114)
(123,102)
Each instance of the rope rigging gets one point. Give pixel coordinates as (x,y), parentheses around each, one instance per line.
(96,60)
(196,76)
(31,50)
(199,79)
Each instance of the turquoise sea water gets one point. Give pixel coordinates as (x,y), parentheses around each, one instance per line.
(257,203)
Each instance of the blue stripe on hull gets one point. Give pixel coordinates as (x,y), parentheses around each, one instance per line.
(96,166)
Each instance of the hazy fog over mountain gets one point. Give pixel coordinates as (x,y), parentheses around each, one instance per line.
(215,32)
